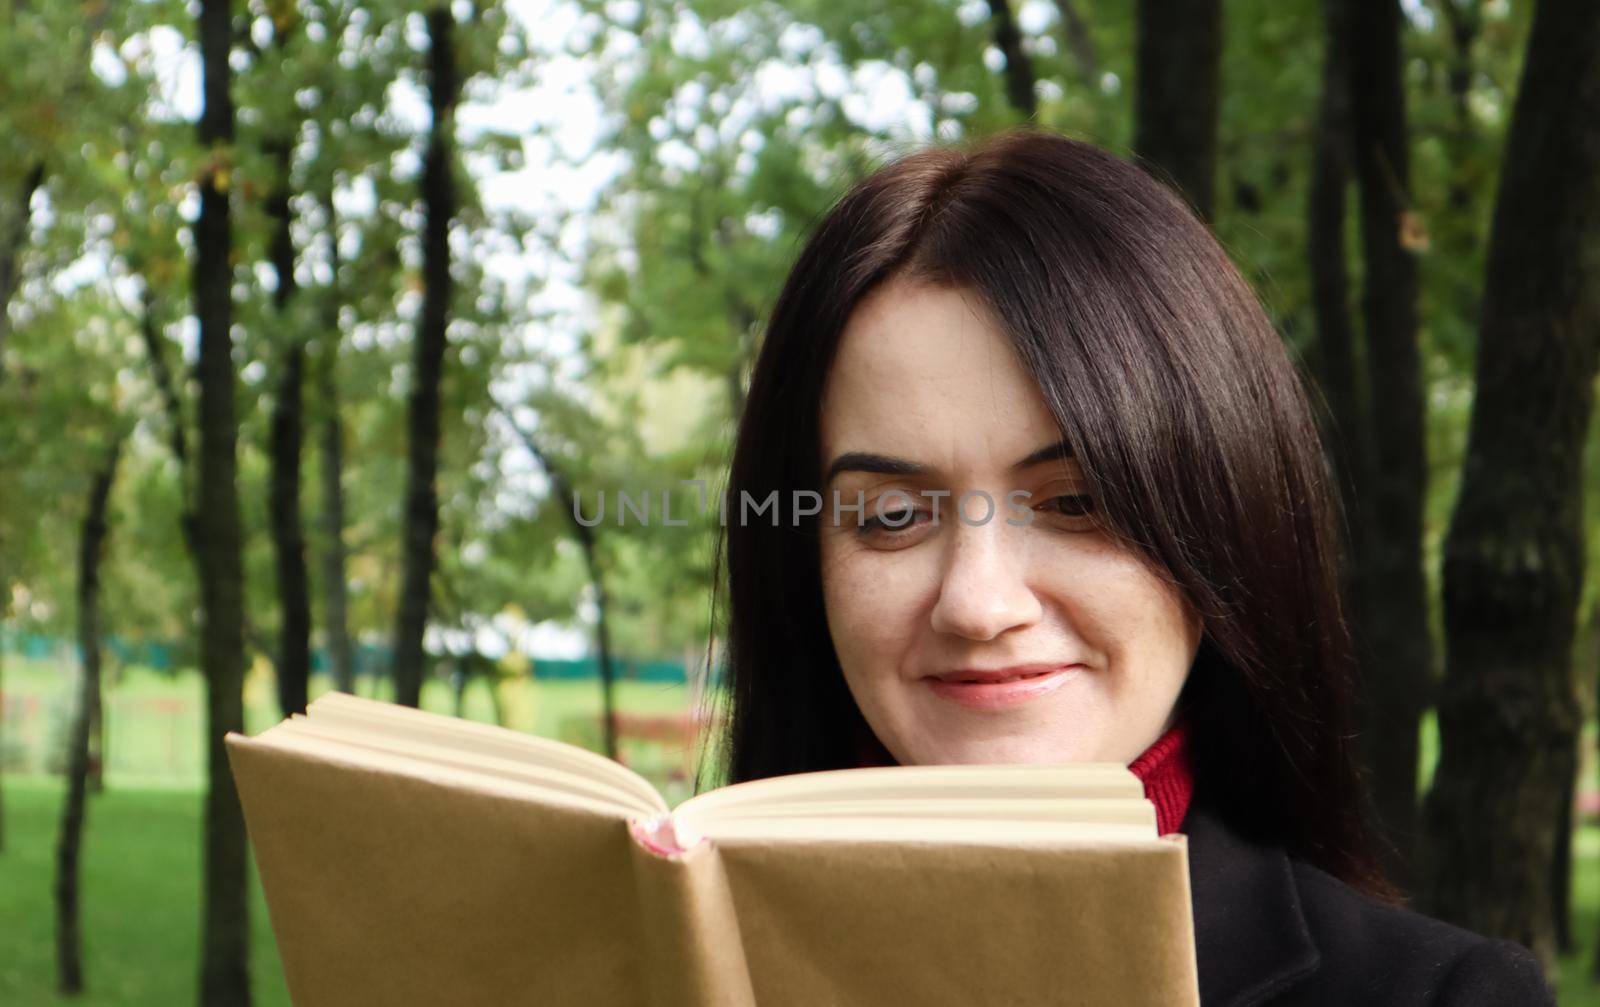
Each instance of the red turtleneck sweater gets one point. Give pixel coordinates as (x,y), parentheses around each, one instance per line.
(1164,768)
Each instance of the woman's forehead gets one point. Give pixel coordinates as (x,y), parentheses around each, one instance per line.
(926,374)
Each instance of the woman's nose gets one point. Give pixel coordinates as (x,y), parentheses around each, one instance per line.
(984,590)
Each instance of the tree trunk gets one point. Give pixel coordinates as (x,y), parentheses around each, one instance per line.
(288,535)
(1347,428)
(225,927)
(1391,612)
(1019,67)
(69,953)
(562,490)
(177,427)
(336,603)
(288,439)
(1178,88)
(97,738)
(1561,860)
(422,492)
(1508,715)
(608,683)
(1334,354)
(12,237)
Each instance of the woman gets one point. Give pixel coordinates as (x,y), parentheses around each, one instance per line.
(1033,323)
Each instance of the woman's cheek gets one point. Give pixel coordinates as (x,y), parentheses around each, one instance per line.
(870,613)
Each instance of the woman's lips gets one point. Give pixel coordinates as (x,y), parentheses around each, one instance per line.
(995,690)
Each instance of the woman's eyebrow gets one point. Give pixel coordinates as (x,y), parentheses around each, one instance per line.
(1053,452)
(867,461)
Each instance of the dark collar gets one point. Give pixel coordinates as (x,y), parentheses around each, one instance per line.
(1251,938)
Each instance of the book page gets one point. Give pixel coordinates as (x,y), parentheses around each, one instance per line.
(404,754)
(1123,810)
(388,888)
(955,925)
(339,710)
(961,783)
(1013,832)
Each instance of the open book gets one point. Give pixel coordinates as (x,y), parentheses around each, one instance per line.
(412,858)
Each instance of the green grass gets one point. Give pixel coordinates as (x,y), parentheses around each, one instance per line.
(1575,984)
(140,900)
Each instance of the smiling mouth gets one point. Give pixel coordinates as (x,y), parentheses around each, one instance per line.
(1008,678)
(1011,673)
(1003,687)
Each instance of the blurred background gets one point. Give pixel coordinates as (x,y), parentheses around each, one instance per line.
(316,314)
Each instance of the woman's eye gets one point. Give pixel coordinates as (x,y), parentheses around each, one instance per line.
(1072,503)
(1076,508)
(891,523)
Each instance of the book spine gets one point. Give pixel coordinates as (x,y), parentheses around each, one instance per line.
(662,836)
(693,951)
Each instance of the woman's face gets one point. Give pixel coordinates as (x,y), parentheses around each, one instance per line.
(1086,647)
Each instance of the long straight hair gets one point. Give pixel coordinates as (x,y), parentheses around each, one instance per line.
(1189,421)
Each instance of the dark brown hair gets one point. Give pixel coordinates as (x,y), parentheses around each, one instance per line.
(1185,412)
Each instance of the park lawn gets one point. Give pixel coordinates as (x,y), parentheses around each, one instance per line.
(1575,983)
(140,900)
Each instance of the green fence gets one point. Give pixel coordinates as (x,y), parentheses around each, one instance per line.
(369,659)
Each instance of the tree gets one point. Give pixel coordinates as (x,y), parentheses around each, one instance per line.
(562,490)
(1177,94)
(328,94)
(1019,67)
(1334,351)
(41,98)
(1513,566)
(225,919)
(288,411)
(330,471)
(1391,606)
(69,953)
(422,499)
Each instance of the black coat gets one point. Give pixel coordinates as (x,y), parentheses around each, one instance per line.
(1272,930)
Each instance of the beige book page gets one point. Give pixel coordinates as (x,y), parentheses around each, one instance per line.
(935,783)
(851,923)
(386,888)
(1120,810)
(337,709)
(916,830)
(419,756)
